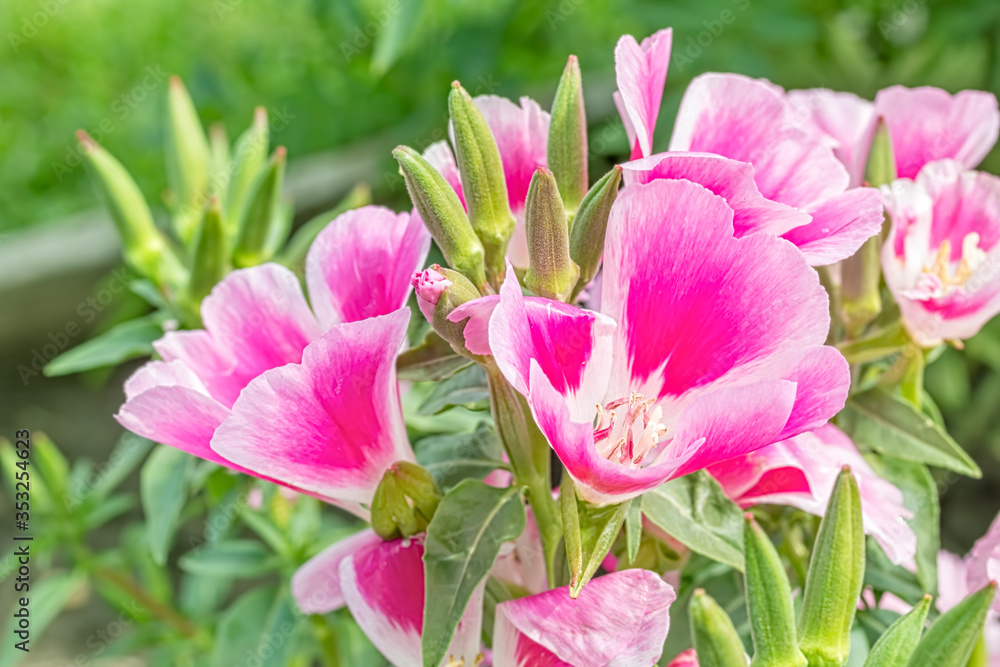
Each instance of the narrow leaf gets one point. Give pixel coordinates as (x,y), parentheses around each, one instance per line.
(163,486)
(122,342)
(951,639)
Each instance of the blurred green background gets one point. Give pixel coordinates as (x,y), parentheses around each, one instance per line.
(353,78)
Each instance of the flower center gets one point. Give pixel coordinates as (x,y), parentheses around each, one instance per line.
(626,429)
(941,278)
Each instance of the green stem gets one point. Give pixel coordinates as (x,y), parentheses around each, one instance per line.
(327,638)
(165,613)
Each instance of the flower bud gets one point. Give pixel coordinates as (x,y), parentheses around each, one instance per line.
(428,285)
(144,246)
(835,577)
(483,182)
(188,159)
(405,501)
(219,159)
(419,486)
(442,212)
(248,161)
(260,227)
(440,291)
(586,236)
(211,255)
(712,632)
(567,147)
(898,642)
(551,272)
(951,639)
(881,167)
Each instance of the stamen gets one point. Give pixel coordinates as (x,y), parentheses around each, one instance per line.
(630,440)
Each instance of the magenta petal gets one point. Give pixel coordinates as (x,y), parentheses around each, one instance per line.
(477,329)
(332,424)
(822,378)
(927,124)
(641,71)
(360,265)
(619,620)
(839,226)
(730,179)
(316,585)
(845,118)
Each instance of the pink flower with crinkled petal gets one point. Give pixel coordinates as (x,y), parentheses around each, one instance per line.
(382,584)
(802,472)
(303,397)
(698,356)
(521,133)
(941,259)
(619,620)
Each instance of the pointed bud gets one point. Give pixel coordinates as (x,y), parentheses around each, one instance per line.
(712,632)
(144,246)
(551,273)
(248,161)
(442,212)
(440,291)
(419,486)
(188,160)
(897,643)
(769,602)
(950,641)
(219,158)
(392,515)
(586,236)
(881,167)
(835,577)
(567,149)
(257,229)
(590,533)
(483,182)
(211,255)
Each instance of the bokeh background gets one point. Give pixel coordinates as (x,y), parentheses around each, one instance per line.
(350,79)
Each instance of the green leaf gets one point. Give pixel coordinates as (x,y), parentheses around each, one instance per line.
(121,342)
(890,425)
(467,388)
(52,465)
(260,628)
(236,559)
(897,643)
(434,359)
(452,458)
(633,531)
(163,487)
(696,512)
(124,458)
(47,598)
(463,540)
(951,639)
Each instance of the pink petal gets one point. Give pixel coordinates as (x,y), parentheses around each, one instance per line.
(686,659)
(984,561)
(316,585)
(214,364)
(360,265)
(846,119)
(953,584)
(822,379)
(731,180)
(927,124)
(618,620)
(331,425)
(641,71)
(477,329)
(839,226)
(384,589)
(440,157)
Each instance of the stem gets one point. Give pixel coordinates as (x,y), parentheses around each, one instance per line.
(165,613)
(327,638)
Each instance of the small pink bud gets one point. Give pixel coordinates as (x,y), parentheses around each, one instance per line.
(429,284)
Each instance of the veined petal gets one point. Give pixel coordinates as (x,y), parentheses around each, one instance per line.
(316,585)
(332,424)
(619,620)
(641,71)
(839,226)
(360,265)
(845,118)
(477,329)
(927,124)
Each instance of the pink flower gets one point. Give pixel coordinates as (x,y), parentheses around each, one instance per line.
(641,70)
(619,620)
(941,257)
(522,134)
(752,121)
(925,124)
(983,562)
(428,285)
(273,390)
(802,471)
(382,584)
(686,659)
(699,355)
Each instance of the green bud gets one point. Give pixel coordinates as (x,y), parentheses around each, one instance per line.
(586,236)
(188,160)
(483,182)
(211,254)
(249,159)
(442,212)
(255,240)
(835,577)
(715,638)
(144,246)
(419,486)
(881,167)
(897,643)
(769,602)
(392,514)
(551,273)
(590,532)
(567,149)
(950,641)
(219,159)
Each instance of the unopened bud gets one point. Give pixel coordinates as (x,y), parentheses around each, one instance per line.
(713,634)
(211,255)
(259,231)
(188,160)
(419,486)
(439,292)
(881,166)
(551,273)
(586,237)
(405,501)
(952,638)
(428,285)
(248,161)
(567,147)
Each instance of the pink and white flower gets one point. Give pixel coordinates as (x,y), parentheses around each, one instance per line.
(641,71)
(802,471)
(698,356)
(304,397)
(941,259)
(619,620)
(522,134)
